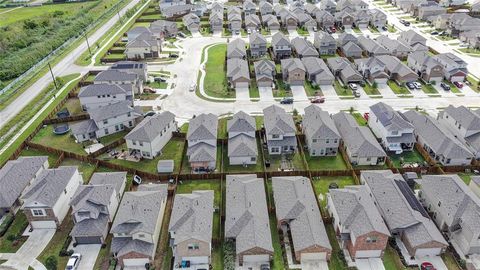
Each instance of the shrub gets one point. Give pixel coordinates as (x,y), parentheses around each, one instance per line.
(229,255)
(12,237)
(6,224)
(51,263)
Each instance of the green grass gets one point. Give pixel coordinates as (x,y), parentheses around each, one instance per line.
(429,89)
(466,177)
(259,122)
(215,83)
(52,158)
(370,90)
(391,28)
(470,50)
(275,161)
(321,185)
(222,127)
(341,91)
(302,32)
(258,167)
(312,90)
(453,88)
(158,85)
(253,89)
(86,169)
(336,262)
(391,260)
(357,30)
(397,89)
(56,244)
(450,262)
(66,142)
(184,128)
(73,106)
(172,150)
(277,262)
(408,157)
(281,90)
(16,228)
(474,83)
(325,163)
(359,117)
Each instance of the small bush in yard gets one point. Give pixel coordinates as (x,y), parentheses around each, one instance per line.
(51,263)
(229,255)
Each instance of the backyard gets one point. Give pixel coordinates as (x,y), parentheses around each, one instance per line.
(85,169)
(215,83)
(285,162)
(325,163)
(258,167)
(52,158)
(321,185)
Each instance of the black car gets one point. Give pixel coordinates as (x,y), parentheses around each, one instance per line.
(434,33)
(406,23)
(410,85)
(287,100)
(385,28)
(173,55)
(445,86)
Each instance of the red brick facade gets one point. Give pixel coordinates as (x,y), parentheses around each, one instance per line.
(50,216)
(361,243)
(132,255)
(253,251)
(312,249)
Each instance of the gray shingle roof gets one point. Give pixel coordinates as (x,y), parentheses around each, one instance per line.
(324,37)
(84,127)
(389,118)
(242,145)
(316,66)
(241,122)
(438,138)
(295,203)
(318,123)
(93,90)
(117,179)
(371,46)
(277,121)
(392,44)
(279,39)
(257,38)
(236,49)
(291,64)
(139,211)
(252,19)
(394,66)
(203,127)
(356,211)
(125,245)
(49,185)
(192,216)
(90,227)
(246,217)
(304,47)
(202,152)
(16,175)
(151,127)
(115,76)
(358,139)
(109,111)
(411,37)
(237,68)
(398,213)
(264,69)
(465,117)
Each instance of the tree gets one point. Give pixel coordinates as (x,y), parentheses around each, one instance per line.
(51,263)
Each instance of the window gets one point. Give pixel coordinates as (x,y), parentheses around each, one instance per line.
(193,247)
(114,96)
(117,128)
(106,131)
(253,159)
(335,141)
(439,203)
(141,235)
(98,97)
(275,136)
(129,114)
(314,140)
(38,212)
(371,239)
(130,123)
(140,143)
(327,141)
(368,159)
(134,142)
(105,121)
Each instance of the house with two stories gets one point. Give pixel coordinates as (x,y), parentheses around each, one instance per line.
(371,47)
(359,143)
(216,20)
(280,131)
(265,7)
(321,135)
(249,7)
(144,46)
(270,22)
(94,96)
(303,48)
(427,67)
(120,77)
(325,19)
(454,67)
(134,67)
(192,22)
(317,71)
(394,47)
(411,38)
(238,74)
(344,70)
(378,18)
(396,133)
(137,225)
(281,46)
(372,69)
(247,221)
(202,142)
(324,43)
(265,73)
(328,6)
(164,28)
(242,142)
(258,45)
(252,22)
(344,19)
(293,71)
(236,49)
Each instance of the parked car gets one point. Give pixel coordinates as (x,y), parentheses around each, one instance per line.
(434,33)
(181,34)
(73,261)
(418,86)
(353,86)
(192,88)
(333,29)
(427,266)
(361,83)
(159,79)
(137,179)
(463,45)
(317,100)
(458,84)
(384,28)
(442,33)
(286,100)
(445,86)
(173,55)
(150,113)
(410,85)
(404,22)
(356,94)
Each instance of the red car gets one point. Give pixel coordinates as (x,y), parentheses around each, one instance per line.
(458,84)
(318,100)
(427,266)
(333,29)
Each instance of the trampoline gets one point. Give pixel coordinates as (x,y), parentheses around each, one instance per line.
(63,113)
(61,129)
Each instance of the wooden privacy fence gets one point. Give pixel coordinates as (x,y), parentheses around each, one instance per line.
(78,117)
(107,148)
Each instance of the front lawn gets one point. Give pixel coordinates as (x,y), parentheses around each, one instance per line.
(360,119)
(450,261)
(408,158)
(55,245)
(470,50)
(397,89)
(258,167)
(391,260)
(391,28)
(103,258)
(222,127)
(17,227)
(429,89)
(253,89)
(312,90)
(370,90)
(320,184)
(281,90)
(215,83)
(466,177)
(85,169)
(325,163)
(453,88)
(342,90)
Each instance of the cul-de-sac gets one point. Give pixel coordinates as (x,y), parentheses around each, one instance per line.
(240,134)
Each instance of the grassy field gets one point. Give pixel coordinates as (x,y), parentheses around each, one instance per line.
(325,163)
(321,185)
(85,169)
(215,82)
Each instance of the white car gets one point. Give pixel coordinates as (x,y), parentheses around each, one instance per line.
(353,86)
(73,261)
(192,88)
(463,45)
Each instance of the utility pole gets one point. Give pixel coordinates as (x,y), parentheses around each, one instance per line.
(53,77)
(88,45)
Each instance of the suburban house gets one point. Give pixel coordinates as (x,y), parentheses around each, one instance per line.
(397,70)
(289,20)
(428,68)
(190,229)
(325,43)
(281,46)
(234,19)
(297,212)
(217,7)
(265,73)
(405,217)
(202,142)
(270,22)
(24,170)
(216,21)
(236,49)
(303,48)
(135,67)
(361,18)
(94,206)
(454,68)
(472,38)
(317,71)
(378,19)
(252,22)
(321,134)
(98,95)
(242,143)
(249,7)
(246,219)
(293,71)
(413,39)
(357,221)
(133,33)
(324,19)
(116,76)
(396,133)
(137,225)
(372,69)
(371,47)
(455,210)
(464,123)
(425,11)
(458,25)
(351,50)
(359,143)
(169,3)
(394,47)
(164,28)
(46,200)
(238,74)
(311,9)
(149,137)
(438,141)
(344,19)
(192,22)
(265,8)
(328,6)
(279,131)
(305,21)
(258,45)
(344,69)
(174,12)
(105,120)
(345,38)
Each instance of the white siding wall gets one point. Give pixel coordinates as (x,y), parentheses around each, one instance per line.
(127,121)
(94,102)
(242,160)
(61,207)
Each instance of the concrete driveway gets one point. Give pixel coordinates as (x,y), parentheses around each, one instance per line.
(314,265)
(328,91)
(435,260)
(28,253)
(443,92)
(292,34)
(363,94)
(385,91)
(89,255)
(266,93)
(369,264)
(242,93)
(298,93)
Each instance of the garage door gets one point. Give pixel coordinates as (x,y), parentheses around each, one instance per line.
(368,253)
(457,79)
(241,85)
(381,81)
(44,224)
(256,258)
(427,252)
(88,240)
(135,262)
(314,256)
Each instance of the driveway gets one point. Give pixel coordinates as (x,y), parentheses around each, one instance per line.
(242,93)
(298,93)
(328,91)
(89,255)
(369,264)
(435,260)
(385,91)
(363,94)
(292,34)
(443,92)
(30,250)
(266,93)
(314,265)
